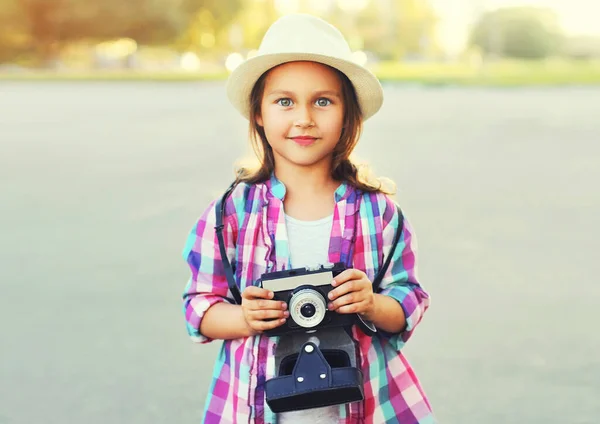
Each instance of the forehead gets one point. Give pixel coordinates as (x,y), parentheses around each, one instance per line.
(303,76)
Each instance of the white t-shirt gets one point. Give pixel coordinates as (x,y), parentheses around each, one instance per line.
(309,246)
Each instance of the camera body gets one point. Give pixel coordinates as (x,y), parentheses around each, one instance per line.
(316,357)
(305,291)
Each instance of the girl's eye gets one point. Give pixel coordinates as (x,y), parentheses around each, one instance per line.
(284,102)
(322,102)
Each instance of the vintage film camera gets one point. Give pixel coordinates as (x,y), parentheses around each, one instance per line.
(305,291)
(316,356)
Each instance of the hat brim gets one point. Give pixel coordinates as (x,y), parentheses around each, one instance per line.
(241,81)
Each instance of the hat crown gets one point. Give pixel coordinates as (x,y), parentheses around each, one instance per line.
(303,37)
(303,33)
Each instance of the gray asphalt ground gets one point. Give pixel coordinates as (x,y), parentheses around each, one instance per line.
(100,183)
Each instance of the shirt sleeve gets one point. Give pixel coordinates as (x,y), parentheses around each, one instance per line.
(400,281)
(207,284)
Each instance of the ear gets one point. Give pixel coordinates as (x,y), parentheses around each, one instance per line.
(259,120)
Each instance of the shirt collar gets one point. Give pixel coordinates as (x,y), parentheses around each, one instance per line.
(276,188)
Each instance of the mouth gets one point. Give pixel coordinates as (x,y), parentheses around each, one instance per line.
(304,140)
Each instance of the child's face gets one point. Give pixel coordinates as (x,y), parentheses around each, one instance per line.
(302,113)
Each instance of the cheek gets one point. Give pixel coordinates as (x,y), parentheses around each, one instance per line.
(275,122)
(333,125)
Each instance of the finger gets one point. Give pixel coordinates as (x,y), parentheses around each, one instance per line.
(347,299)
(267,314)
(267,325)
(351,286)
(349,274)
(353,308)
(260,304)
(347,287)
(253,292)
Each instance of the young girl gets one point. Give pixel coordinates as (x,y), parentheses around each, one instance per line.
(306,205)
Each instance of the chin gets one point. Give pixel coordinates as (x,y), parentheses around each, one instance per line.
(306,162)
(300,159)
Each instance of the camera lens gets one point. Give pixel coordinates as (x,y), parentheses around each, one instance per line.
(307,307)
(308,310)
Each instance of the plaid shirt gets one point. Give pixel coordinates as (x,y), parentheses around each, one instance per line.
(256,242)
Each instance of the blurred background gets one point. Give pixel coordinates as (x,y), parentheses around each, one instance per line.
(116,133)
(520,41)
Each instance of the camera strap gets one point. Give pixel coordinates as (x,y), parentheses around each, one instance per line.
(230,270)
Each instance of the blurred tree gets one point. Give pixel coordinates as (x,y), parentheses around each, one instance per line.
(255,19)
(14,38)
(369,27)
(520,32)
(412,25)
(582,47)
(208,27)
(50,24)
(391,29)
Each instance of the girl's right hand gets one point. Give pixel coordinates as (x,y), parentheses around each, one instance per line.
(260,312)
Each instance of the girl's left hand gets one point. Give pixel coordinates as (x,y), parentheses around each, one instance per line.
(353,293)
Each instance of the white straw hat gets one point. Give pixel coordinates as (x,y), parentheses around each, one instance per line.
(303,37)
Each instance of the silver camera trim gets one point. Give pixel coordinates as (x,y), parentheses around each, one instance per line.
(303,297)
(290,283)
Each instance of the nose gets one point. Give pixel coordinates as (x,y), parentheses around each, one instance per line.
(304,118)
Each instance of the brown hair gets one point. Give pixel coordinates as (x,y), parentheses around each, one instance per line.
(343,169)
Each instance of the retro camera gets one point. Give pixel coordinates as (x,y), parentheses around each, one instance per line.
(316,355)
(305,291)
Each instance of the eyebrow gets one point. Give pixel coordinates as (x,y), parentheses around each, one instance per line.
(316,93)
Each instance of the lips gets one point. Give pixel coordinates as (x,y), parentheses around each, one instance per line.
(304,140)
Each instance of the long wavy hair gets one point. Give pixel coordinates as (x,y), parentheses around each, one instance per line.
(342,169)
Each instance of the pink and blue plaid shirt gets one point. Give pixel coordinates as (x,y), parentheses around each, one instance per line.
(363,230)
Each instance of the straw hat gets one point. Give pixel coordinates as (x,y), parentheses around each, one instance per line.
(303,37)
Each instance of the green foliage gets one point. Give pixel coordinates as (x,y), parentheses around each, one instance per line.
(393,29)
(519,32)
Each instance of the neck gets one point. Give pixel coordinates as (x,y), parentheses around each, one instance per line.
(306,180)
